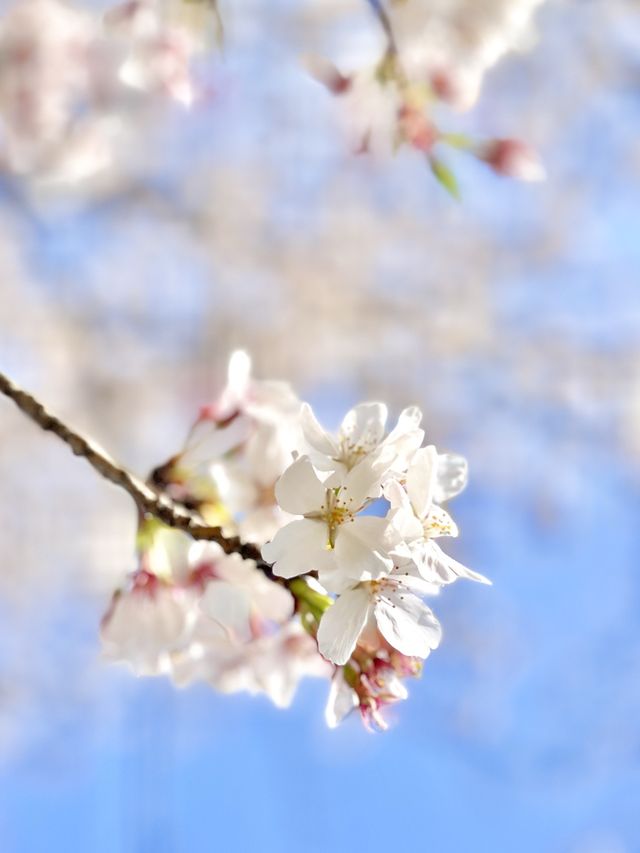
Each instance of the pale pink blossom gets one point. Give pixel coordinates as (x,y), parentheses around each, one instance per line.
(393,604)
(330,536)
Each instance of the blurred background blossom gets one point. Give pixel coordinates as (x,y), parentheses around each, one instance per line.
(512,319)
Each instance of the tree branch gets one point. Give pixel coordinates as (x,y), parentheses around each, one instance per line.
(382,15)
(148,500)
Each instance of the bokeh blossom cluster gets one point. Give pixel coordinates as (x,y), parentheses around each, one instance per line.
(74,84)
(347,528)
(432,58)
(77,87)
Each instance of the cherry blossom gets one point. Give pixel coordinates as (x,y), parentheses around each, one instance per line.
(239,446)
(146,622)
(272,665)
(393,604)
(340,590)
(75,85)
(370,682)
(362,436)
(431,56)
(330,537)
(419,519)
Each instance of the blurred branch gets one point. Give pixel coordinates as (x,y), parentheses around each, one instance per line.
(148,501)
(381,14)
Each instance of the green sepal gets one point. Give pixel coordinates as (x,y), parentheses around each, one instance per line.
(457,140)
(350,675)
(445,177)
(314,602)
(147,533)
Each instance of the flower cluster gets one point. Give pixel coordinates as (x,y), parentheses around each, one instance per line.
(433,58)
(75,86)
(347,526)
(69,78)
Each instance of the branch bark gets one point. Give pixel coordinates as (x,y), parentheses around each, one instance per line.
(382,15)
(148,500)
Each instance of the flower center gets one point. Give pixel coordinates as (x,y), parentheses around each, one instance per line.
(334,513)
(351,453)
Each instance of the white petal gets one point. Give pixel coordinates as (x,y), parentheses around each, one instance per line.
(409,420)
(439,523)
(208,442)
(407,428)
(421,478)
(362,548)
(144,629)
(452,475)
(396,495)
(332,578)
(407,624)
(402,515)
(341,701)
(169,554)
(363,426)
(297,548)
(437,567)
(400,445)
(299,491)
(315,435)
(342,623)
(272,600)
(239,373)
(408,579)
(228,605)
(361,483)
(268,453)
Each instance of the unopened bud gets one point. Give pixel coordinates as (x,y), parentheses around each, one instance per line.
(443,86)
(325,72)
(416,129)
(513,158)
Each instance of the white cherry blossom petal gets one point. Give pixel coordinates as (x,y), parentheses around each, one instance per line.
(439,523)
(407,623)
(228,605)
(451,478)
(209,442)
(315,435)
(408,579)
(421,478)
(268,599)
(362,548)
(399,447)
(297,548)
(299,490)
(272,600)
(168,556)
(332,577)
(142,629)
(397,496)
(363,426)
(342,623)
(437,567)
(361,483)
(341,701)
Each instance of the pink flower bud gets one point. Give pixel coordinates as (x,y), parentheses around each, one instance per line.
(325,72)
(513,158)
(416,129)
(443,86)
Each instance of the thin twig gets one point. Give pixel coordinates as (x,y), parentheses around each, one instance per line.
(148,501)
(382,15)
